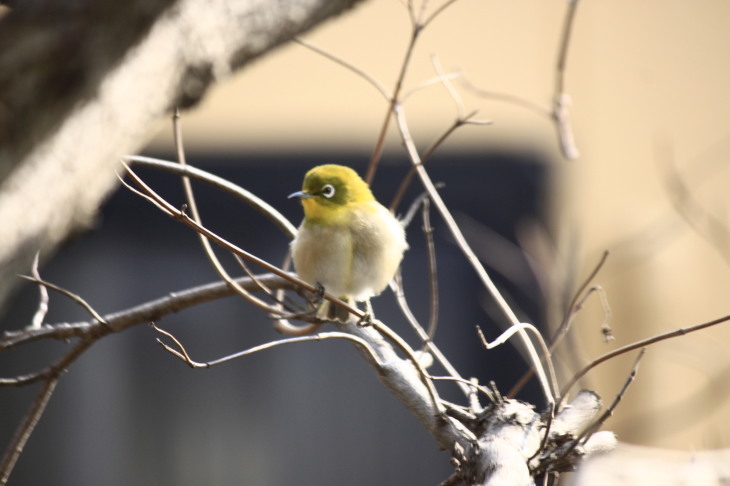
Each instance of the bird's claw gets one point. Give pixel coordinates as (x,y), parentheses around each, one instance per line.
(366,320)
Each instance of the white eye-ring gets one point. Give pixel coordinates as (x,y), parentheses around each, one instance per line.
(328,191)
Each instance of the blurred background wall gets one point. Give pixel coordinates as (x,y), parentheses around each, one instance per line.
(650,110)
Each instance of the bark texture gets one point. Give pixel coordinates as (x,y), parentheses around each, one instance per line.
(86,81)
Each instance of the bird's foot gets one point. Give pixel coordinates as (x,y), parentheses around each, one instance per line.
(366,320)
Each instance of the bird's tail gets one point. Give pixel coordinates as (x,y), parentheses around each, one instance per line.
(330,312)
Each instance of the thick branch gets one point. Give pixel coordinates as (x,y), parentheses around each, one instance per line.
(84,82)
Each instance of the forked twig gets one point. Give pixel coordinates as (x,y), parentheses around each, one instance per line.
(180,351)
(205,242)
(75,297)
(470,383)
(517,329)
(459,122)
(25,429)
(586,434)
(348,65)
(397,287)
(467,250)
(180,215)
(570,313)
(264,208)
(639,344)
(576,302)
(598,423)
(149,194)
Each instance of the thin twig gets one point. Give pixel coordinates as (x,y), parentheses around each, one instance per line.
(459,122)
(598,423)
(467,250)
(530,105)
(348,65)
(40,314)
(397,288)
(180,351)
(143,313)
(415,206)
(546,434)
(603,298)
(470,383)
(640,344)
(445,81)
(428,83)
(417,26)
(76,298)
(561,101)
(249,198)
(380,142)
(518,329)
(283,325)
(205,242)
(38,406)
(578,297)
(437,12)
(593,427)
(179,215)
(25,429)
(433,289)
(568,317)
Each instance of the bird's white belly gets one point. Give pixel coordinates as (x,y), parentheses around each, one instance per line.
(357,260)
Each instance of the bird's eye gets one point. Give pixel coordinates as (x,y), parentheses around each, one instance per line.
(328,191)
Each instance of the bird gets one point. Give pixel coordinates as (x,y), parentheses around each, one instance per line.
(348,243)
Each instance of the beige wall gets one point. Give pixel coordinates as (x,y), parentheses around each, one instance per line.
(642,75)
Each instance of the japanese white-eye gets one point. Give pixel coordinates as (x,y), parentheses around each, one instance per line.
(348,242)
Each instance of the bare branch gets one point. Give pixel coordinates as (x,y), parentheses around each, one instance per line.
(180,351)
(640,344)
(192,203)
(446,82)
(585,435)
(25,429)
(516,329)
(437,12)
(590,430)
(576,304)
(459,122)
(143,313)
(466,249)
(76,298)
(213,180)
(574,307)
(348,65)
(433,292)
(380,143)
(397,288)
(561,101)
(43,299)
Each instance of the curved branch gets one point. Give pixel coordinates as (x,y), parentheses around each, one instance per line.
(218,182)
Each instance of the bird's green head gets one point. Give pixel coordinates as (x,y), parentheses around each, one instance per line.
(329,189)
